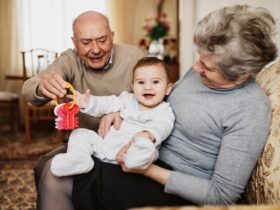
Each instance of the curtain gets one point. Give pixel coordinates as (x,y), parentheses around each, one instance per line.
(27,24)
(10,62)
(48,24)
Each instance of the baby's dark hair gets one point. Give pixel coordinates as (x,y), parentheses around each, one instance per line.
(151,61)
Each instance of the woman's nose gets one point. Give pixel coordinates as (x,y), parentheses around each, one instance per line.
(197,67)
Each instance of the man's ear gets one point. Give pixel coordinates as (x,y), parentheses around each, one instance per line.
(169,88)
(74,43)
(112,35)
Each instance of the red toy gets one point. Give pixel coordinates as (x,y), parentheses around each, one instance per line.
(66,119)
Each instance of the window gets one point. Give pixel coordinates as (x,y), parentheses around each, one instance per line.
(48,23)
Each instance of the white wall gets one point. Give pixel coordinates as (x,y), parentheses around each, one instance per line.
(191,11)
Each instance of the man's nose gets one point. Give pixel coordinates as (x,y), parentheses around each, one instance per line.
(95,47)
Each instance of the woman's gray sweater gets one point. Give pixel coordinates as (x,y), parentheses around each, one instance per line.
(217,139)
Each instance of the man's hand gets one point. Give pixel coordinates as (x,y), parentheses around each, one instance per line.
(52,85)
(108,120)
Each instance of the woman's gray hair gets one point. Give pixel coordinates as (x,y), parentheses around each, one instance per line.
(240,36)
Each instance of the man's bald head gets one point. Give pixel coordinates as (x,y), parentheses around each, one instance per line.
(90,16)
(93,39)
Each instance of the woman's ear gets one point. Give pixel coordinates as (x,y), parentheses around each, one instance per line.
(169,88)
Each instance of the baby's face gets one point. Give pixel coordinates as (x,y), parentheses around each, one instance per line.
(150,86)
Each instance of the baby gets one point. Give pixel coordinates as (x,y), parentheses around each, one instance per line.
(147,121)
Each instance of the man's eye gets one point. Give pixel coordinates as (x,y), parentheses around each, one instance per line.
(156,82)
(101,41)
(85,43)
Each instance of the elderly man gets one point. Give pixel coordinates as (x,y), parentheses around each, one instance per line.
(95,63)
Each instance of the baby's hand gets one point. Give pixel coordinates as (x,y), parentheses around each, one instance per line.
(145,134)
(82,100)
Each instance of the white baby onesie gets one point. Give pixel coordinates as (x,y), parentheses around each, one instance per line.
(83,143)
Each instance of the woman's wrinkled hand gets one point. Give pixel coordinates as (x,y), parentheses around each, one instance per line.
(120,160)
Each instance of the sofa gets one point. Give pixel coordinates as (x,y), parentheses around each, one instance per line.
(264,185)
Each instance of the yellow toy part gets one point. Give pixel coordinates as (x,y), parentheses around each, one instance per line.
(69,86)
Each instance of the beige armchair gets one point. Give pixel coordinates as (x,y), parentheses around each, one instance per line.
(264,186)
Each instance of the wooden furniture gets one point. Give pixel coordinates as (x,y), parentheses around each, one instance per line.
(35,61)
(171,42)
(37,114)
(173,73)
(9,110)
(174,53)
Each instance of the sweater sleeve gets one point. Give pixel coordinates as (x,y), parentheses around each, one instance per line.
(162,124)
(244,137)
(101,105)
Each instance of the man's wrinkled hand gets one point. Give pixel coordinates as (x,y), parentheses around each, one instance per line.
(52,85)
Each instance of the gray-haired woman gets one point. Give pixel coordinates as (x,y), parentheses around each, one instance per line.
(222,122)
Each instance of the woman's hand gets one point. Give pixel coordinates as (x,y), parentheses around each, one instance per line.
(120,160)
(108,120)
(154,172)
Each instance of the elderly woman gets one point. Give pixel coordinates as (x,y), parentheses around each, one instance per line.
(222,122)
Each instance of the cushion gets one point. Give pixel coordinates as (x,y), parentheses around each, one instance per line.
(264,185)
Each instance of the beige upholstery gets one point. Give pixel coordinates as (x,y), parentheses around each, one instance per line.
(264,186)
